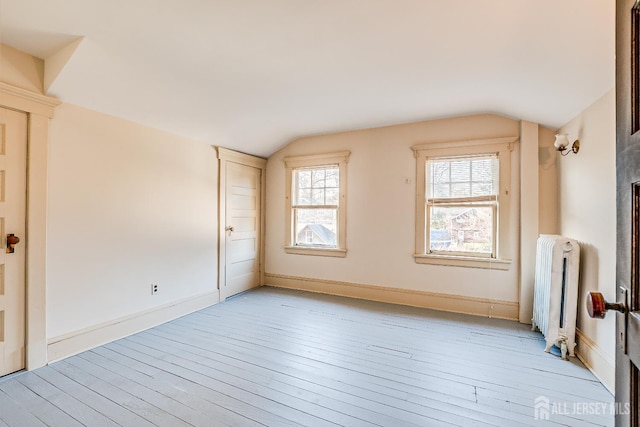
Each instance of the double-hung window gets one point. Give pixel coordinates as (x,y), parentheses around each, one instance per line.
(463,203)
(316,204)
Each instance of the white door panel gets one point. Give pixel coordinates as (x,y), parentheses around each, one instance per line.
(242,229)
(13,154)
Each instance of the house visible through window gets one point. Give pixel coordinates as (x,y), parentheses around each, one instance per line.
(316,201)
(462,200)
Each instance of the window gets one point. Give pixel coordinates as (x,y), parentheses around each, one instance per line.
(316,204)
(463,203)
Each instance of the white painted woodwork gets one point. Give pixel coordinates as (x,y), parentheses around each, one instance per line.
(437,301)
(13,169)
(242,239)
(241,221)
(290,358)
(529,215)
(60,347)
(40,109)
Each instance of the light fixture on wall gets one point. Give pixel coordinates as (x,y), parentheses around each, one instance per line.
(562,144)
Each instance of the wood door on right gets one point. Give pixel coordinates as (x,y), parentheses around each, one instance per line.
(628,210)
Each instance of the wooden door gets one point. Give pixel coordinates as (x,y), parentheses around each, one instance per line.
(628,210)
(241,220)
(13,155)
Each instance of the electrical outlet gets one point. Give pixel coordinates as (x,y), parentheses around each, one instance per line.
(154,289)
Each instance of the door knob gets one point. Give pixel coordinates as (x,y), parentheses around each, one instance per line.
(12,241)
(597,306)
(229,229)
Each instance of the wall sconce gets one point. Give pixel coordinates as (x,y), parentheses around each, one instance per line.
(562,145)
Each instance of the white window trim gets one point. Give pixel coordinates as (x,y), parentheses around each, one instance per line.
(500,146)
(317,160)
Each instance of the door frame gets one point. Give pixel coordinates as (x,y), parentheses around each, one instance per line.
(225,156)
(39,110)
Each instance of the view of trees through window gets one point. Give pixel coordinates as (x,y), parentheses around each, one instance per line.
(315,205)
(461,204)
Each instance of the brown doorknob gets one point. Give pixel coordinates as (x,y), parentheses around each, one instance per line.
(12,241)
(597,306)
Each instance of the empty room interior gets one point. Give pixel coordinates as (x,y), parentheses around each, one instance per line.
(289,212)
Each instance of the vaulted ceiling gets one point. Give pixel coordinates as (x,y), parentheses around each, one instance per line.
(254,74)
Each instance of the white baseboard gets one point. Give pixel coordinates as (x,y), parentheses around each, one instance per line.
(85,339)
(443,302)
(596,361)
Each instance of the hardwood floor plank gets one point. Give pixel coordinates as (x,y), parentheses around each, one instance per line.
(54,374)
(309,414)
(252,406)
(70,405)
(15,415)
(152,414)
(380,410)
(536,375)
(41,408)
(114,374)
(276,357)
(176,389)
(399,408)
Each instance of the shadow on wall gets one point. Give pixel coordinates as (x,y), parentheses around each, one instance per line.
(589,273)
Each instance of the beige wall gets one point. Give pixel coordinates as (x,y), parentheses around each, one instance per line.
(20,69)
(587,202)
(381,211)
(128,206)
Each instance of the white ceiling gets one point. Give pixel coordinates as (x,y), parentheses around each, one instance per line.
(254,74)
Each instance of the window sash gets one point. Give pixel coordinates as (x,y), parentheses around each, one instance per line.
(303,242)
(460,177)
(459,204)
(311,188)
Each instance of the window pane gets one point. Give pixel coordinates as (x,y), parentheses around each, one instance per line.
(317,197)
(332,176)
(317,178)
(481,170)
(460,171)
(317,186)
(440,172)
(461,229)
(316,227)
(482,189)
(304,178)
(331,196)
(304,197)
(442,190)
(460,190)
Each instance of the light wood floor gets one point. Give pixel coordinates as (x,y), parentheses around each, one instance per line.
(276,357)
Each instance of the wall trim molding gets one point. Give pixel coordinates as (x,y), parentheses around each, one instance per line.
(25,100)
(85,339)
(592,356)
(414,298)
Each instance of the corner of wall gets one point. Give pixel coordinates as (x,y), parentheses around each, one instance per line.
(21,70)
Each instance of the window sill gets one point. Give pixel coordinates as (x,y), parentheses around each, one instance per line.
(300,250)
(462,261)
